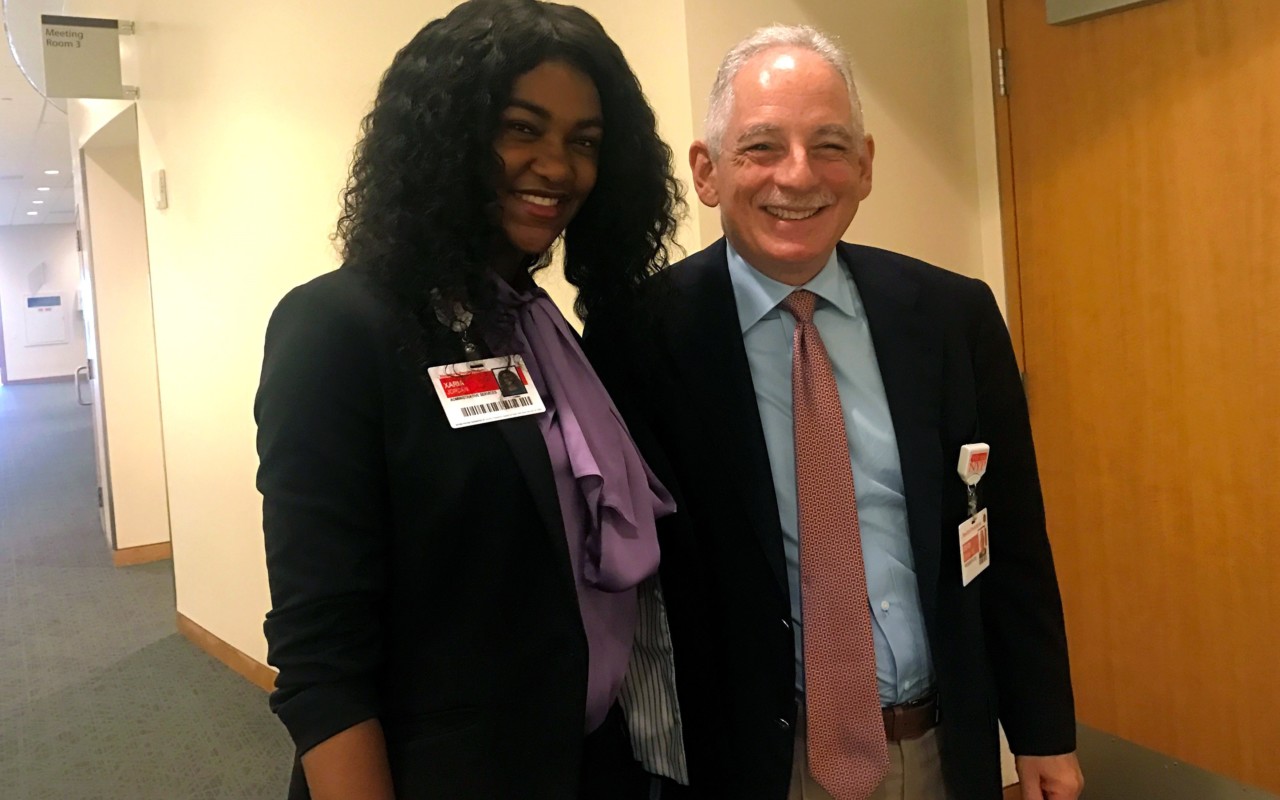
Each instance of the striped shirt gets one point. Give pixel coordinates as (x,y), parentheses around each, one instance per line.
(649,691)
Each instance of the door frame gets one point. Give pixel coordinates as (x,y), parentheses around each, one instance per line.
(93,354)
(1004,169)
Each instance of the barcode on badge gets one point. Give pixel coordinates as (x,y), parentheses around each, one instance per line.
(501,405)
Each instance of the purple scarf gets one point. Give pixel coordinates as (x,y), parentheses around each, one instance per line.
(622,497)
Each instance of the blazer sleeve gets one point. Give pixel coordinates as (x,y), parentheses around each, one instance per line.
(1022,608)
(322,479)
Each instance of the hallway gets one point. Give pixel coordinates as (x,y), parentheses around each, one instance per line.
(100,698)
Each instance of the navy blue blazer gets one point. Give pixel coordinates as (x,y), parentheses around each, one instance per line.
(419,574)
(677,367)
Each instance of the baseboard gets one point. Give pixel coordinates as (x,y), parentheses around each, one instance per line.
(259,675)
(1012,792)
(30,381)
(143,554)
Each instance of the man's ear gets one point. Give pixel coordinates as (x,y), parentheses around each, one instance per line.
(704,174)
(865,159)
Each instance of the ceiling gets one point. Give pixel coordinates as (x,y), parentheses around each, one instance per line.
(34,137)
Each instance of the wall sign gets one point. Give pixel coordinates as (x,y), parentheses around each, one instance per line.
(46,320)
(81,57)
(1064,11)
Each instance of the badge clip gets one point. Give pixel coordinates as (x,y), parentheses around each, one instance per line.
(972,466)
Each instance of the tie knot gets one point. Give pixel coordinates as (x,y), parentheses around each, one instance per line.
(800,304)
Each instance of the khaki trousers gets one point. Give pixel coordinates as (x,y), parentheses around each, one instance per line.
(915,770)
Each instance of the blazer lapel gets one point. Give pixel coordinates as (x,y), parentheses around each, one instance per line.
(910,361)
(705,343)
(529,451)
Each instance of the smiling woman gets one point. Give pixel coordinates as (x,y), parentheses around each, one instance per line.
(549,144)
(422,208)
(459,529)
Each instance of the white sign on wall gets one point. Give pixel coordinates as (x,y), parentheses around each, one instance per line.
(1063,11)
(82,57)
(46,320)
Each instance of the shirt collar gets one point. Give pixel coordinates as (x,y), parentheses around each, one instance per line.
(756,294)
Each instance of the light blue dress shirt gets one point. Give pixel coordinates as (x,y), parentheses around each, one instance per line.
(904,668)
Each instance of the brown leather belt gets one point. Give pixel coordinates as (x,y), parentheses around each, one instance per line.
(910,720)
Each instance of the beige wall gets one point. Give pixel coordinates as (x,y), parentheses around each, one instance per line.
(984,127)
(23,248)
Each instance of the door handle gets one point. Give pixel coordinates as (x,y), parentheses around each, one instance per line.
(80,395)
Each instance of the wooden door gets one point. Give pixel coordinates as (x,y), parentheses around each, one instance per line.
(1145,177)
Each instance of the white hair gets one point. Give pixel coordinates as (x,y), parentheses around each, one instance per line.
(802,36)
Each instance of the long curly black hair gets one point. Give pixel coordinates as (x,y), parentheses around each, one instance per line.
(420,213)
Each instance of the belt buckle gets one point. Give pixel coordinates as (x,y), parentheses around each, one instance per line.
(895,716)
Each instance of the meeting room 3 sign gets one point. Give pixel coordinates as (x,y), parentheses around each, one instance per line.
(1062,12)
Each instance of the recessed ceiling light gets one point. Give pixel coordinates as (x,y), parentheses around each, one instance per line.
(32,213)
(51,172)
(42,188)
(37,202)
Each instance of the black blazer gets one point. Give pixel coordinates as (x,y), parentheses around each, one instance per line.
(419,574)
(999,645)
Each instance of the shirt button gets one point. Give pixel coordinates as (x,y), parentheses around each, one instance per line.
(884,606)
(783,725)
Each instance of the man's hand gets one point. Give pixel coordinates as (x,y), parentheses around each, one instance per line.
(1050,777)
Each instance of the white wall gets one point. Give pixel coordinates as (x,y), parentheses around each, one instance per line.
(23,248)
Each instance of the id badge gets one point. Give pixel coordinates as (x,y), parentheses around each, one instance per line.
(975,547)
(489,390)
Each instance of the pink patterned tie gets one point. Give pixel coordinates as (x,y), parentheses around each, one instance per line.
(848,754)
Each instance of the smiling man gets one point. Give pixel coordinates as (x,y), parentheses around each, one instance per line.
(840,632)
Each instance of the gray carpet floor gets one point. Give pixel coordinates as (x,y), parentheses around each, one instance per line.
(100,698)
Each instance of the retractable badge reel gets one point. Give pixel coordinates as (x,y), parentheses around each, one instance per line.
(973,465)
